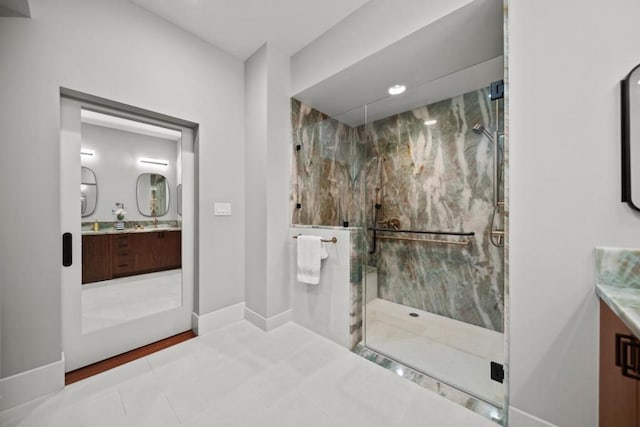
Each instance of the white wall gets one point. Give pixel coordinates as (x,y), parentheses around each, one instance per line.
(377,24)
(566,62)
(278,176)
(112,49)
(117,167)
(268,157)
(324,308)
(255,181)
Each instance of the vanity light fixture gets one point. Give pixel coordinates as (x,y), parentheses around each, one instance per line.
(86,152)
(430,122)
(397,89)
(155,161)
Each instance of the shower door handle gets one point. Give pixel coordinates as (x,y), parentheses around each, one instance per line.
(67,249)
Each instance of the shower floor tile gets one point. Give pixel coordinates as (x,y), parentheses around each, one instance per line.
(451,351)
(242,376)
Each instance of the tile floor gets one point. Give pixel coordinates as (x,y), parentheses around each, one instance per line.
(454,352)
(116,301)
(242,376)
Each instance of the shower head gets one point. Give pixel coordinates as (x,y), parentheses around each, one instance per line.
(480,129)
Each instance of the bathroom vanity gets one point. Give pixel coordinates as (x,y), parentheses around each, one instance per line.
(112,254)
(618,286)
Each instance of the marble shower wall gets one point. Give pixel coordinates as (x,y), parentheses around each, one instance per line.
(326,169)
(436,177)
(440,178)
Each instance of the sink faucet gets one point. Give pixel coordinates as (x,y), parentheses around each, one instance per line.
(155,222)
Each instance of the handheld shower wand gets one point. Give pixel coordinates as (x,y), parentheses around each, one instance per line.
(480,129)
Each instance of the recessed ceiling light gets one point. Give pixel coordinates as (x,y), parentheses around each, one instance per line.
(430,122)
(397,89)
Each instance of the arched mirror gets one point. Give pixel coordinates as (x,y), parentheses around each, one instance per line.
(631,139)
(88,192)
(153,194)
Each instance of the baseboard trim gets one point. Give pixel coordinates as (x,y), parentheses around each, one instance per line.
(519,418)
(267,324)
(25,386)
(209,322)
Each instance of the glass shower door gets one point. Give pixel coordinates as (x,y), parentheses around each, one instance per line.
(434,280)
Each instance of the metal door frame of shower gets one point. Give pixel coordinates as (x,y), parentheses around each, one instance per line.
(496,413)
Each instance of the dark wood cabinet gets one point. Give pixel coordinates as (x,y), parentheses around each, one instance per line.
(96,262)
(119,255)
(164,249)
(619,396)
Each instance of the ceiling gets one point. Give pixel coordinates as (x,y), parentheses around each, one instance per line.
(240,27)
(15,8)
(456,54)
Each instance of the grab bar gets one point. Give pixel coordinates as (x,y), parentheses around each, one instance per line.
(443,242)
(440,233)
(445,233)
(332,240)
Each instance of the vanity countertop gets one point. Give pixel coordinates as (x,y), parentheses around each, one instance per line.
(624,302)
(129,230)
(618,283)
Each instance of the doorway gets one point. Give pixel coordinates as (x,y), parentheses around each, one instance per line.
(128,276)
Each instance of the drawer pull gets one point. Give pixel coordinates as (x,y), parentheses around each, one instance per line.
(123,265)
(628,355)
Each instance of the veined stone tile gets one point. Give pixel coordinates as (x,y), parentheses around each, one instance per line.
(420,177)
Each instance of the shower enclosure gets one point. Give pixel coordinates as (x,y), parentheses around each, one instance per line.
(433,216)
(424,188)
(419,180)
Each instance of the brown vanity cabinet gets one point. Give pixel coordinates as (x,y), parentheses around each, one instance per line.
(619,396)
(167,249)
(107,256)
(96,262)
(122,255)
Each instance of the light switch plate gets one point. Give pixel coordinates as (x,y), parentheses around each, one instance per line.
(222,209)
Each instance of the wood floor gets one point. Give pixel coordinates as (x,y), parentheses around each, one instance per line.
(121,359)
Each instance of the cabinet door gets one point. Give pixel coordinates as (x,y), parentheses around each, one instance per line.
(157,251)
(145,244)
(618,394)
(165,248)
(96,258)
(172,249)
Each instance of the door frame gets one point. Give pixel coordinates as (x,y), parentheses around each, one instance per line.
(83,349)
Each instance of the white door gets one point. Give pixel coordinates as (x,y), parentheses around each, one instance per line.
(83,345)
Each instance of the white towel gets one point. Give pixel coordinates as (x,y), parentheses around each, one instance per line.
(324,252)
(309,255)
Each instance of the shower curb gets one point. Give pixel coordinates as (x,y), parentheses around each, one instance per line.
(490,411)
